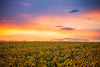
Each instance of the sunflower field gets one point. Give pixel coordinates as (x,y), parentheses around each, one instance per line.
(49,54)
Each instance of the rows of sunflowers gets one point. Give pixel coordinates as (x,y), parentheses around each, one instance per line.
(49,54)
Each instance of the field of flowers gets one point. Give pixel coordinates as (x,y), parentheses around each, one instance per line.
(49,54)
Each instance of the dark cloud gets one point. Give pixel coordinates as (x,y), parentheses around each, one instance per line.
(67,28)
(74,10)
(58,26)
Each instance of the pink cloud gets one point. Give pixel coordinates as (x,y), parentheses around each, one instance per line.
(25,4)
(5,21)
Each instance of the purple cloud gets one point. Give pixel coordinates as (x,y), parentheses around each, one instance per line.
(58,26)
(70,39)
(67,28)
(89,18)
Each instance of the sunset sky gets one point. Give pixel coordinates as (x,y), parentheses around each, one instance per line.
(42,20)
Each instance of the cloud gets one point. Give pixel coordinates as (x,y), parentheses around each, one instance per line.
(3,21)
(97,37)
(27,15)
(79,40)
(74,10)
(67,28)
(89,18)
(25,4)
(70,39)
(58,26)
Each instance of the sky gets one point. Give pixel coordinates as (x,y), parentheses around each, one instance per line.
(46,20)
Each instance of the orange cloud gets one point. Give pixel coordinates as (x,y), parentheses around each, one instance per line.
(21,34)
(29,34)
(43,27)
(80,21)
